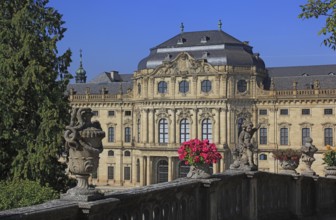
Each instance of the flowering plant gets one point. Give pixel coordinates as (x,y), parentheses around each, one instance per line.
(287,154)
(330,156)
(195,152)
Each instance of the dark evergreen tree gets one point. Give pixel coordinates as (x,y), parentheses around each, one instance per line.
(33,106)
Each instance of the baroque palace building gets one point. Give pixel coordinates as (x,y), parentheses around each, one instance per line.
(203,85)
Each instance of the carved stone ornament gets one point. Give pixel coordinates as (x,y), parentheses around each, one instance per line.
(183,64)
(82,148)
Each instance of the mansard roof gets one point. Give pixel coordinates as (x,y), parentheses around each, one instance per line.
(216,46)
(305,76)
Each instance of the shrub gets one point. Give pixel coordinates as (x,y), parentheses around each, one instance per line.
(20,193)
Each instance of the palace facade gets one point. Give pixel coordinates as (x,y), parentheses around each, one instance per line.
(203,85)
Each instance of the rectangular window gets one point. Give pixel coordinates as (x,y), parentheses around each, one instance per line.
(263,112)
(283,111)
(263,136)
(95,113)
(127,173)
(110,173)
(110,134)
(328,111)
(128,113)
(305,133)
(306,111)
(111,113)
(283,136)
(328,136)
(163,131)
(184,130)
(127,134)
(95,174)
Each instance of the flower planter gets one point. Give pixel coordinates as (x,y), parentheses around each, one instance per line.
(199,171)
(289,166)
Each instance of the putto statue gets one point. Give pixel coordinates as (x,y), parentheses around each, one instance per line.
(82,148)
(243,153)
(308,150)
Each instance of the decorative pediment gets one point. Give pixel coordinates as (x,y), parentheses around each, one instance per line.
(128,121)
(206,113)
(184,64)
(162,113)
(245,114)
(306,125)
(184,113)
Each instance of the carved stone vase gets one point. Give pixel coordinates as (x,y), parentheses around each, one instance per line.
(199,171)
(83,146)
(330,171)
(289,166)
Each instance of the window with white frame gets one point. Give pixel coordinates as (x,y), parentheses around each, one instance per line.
(207,129)
(184,130)
(328,136)
(163,131)
(110,135)
(283,136)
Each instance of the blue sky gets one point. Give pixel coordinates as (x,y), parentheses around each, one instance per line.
(117,34)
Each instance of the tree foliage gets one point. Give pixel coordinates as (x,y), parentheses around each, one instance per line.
(325,9)
(29,193)
(33,107)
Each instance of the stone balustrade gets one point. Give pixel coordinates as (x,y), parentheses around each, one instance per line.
(229,195)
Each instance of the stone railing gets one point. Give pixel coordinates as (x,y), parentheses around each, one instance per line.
(230,195)
(297,93)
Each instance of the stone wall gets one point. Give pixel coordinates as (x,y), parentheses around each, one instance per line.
(229,195)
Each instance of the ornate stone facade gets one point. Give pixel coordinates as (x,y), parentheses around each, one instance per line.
(185,94)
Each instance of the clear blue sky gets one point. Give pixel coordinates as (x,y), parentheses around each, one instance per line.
(117,34)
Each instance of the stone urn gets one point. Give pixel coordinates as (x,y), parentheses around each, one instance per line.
(199,171)
(330,171)
(83,146)
(289,166)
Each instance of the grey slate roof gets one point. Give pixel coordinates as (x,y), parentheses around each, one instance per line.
(221,49)
(107,77)
(96,88)
(283,77)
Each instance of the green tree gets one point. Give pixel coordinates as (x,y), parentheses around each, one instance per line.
(325,9)
(33,106)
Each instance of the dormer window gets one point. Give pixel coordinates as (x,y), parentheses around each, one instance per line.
(181,41)
(331,74)
(204,39)
(304,74)
(205,55)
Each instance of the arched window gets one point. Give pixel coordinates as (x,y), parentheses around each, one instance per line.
(110,153)
(262,157)
(110,134)
(163,131)
(184,86)
(184,130)
(242,85)
(206,86)
(183,169)
(127,153)
(162,171)
(207,129)
(162,87)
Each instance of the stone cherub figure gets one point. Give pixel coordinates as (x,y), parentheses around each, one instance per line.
(243,154)
(308,150)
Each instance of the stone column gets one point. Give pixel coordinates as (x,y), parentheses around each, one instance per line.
(149,171)
(142,171)
(218,125)
(151,127)
(134,162)
(215,168)
(194,126)
(221,164)
(170,170)
(172,132)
